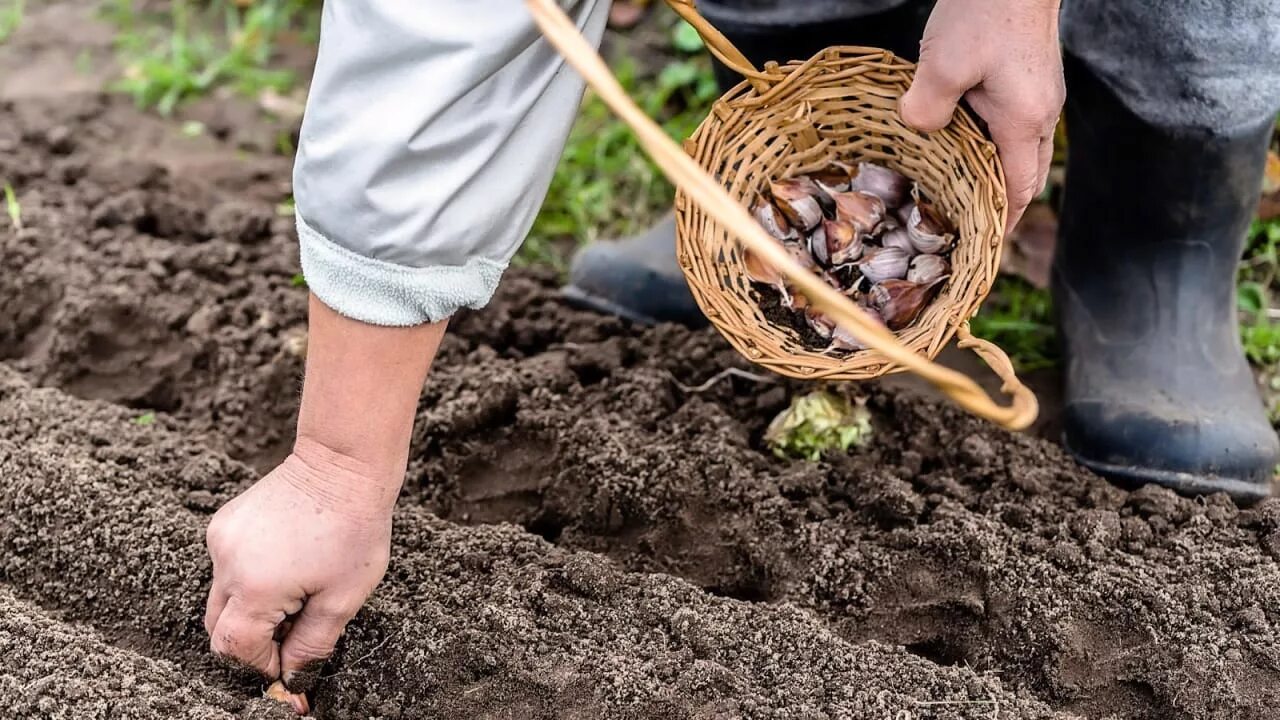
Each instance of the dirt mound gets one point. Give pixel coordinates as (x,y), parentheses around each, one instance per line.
(50,669)
(157,281)
(588,529)
(471,622)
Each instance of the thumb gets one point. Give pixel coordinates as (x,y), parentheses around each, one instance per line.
(309,644)
(931,100)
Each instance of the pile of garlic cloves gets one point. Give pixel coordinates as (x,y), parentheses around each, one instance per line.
(869,232)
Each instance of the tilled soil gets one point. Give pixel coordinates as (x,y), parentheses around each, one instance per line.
(586,531)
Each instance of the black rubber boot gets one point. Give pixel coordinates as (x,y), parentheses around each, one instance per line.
(637,277)
(1153,225)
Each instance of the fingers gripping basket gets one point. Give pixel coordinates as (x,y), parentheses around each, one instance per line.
(792,119)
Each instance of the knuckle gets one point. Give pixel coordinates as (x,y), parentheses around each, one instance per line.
(950,76)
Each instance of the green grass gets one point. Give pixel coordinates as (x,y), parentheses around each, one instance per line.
(1259,332)
(1019,318)
(11,12)
(197,48)
(605,186)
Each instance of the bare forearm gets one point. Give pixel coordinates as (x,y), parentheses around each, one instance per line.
(360,393)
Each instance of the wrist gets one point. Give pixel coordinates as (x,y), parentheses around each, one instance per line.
(342,482)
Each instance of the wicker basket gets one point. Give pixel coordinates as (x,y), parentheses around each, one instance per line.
(791,119)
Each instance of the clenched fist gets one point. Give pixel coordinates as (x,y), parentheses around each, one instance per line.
(307,543)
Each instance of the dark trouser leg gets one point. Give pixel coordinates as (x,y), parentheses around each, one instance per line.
(638,277)
(1153,224)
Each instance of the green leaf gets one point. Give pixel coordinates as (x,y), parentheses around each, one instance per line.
(686,39)
(11,205)
(816,423)
(1251,297)
(298,281)
(678,75)
(145,419)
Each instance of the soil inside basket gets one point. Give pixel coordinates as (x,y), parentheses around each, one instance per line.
(585,532)
(784,317)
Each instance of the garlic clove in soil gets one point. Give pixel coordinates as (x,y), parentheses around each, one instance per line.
(843,340)
(759,271)
(820,323)
(900,302)
(862,210)
(844,244)
(927,268)
(881,264)
(773,221)
(890,186)
(296,701)
(799,200)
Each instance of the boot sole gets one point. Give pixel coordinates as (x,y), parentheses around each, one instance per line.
(1242,491)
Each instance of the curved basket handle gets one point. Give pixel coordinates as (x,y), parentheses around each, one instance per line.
(703,189)
(719,45)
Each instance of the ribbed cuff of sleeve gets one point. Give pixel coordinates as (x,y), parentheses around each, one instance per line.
(382,293)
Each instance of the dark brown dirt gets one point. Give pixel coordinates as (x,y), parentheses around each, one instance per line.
(581,536)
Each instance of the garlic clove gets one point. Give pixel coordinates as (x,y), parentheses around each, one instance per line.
(818,244)
(801,254)
(760,271)
(899,238)
(800,201)
(927,268)
(842,339)
(296,701)
(881,264)
(773,221)
(820,323)
(923,229)
(889,185)
(833,178)
(844,245)
(862,210)
(903,214)
(900,302)
(931,231)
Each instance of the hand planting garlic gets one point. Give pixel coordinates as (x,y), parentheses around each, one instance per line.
(296,701)
(869,232)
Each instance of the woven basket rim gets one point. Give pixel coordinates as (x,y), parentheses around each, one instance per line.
(889,75)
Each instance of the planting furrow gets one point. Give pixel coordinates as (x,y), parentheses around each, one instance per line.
(51,670)
(960,542)
(470,622)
